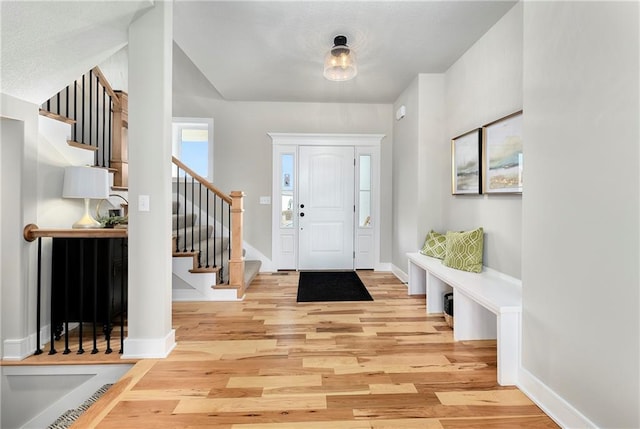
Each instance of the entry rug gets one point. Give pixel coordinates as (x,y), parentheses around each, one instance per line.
(68,418)
(318,286)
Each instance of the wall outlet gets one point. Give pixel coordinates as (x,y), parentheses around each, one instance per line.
(143,203)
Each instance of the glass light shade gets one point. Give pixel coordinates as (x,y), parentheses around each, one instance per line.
(87,183)
(340,64)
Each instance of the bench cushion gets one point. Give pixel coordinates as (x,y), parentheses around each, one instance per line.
(464,250)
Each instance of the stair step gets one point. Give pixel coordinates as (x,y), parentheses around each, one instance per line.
(198,232)
(57,117)
(79,145)
(190,220)
(205,270)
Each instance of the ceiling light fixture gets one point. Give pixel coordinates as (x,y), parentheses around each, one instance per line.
(340,62)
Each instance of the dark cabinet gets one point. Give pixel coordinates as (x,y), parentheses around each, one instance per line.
(89,282)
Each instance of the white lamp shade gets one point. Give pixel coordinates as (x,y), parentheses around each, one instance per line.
(85,182)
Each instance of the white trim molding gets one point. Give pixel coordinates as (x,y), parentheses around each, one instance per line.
(551,403)
(149,348)
(284,242)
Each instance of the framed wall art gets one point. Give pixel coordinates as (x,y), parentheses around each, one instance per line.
(466,163)
(502,155)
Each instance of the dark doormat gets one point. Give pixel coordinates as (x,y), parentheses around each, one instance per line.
(315,286)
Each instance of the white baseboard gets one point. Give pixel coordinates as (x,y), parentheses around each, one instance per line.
(401,275)
(21,348)
(149,348)
(551,403)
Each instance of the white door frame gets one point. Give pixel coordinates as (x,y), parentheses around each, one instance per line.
(284,242)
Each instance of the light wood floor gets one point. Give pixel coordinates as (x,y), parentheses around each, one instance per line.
(270,363)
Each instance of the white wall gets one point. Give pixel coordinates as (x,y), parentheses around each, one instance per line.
(406,135)
(580,270)
(485,84)
(418,144)
(243,149)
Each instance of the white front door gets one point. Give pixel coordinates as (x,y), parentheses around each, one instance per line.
(326,208)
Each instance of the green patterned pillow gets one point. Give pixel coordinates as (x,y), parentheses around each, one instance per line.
(464,250)
(435,245)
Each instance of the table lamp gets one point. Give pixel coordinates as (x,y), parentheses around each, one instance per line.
(87,183)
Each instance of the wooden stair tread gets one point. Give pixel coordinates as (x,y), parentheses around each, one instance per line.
(119,188)
(79,145)
(57,117)
(205,270)
(186,254)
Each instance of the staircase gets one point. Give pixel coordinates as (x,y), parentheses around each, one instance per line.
(208,262)
(202,250)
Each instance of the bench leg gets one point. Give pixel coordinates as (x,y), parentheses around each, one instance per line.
(417,282)
(436,288)
(508,348)
(471,321)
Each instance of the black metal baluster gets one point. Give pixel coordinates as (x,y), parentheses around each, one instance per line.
(39,298)
(66,99)
(82,124)
(95,296)
(104,123)
(110,140)
(185,211)
(193,185)
(123,276)
(49,105)
(200,229)
(214,228)
(229,229)
(66,300)
(58,103)
(81,296)
(111,265)
(177,209)
(75,110)
(52,348)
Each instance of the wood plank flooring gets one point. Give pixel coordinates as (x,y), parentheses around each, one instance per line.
(269,362)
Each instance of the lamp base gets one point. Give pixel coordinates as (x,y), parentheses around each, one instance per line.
(86,221)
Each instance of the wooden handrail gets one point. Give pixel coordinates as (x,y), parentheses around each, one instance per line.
(202,180)
(105,83)
(31,232)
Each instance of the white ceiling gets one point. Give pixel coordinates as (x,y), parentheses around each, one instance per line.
(45,45)
(274,50)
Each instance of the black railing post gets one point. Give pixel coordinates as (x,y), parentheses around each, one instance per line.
(95,296)
(81,297)
(123,276)
(83,115)
(66,298)
(177,209)
(39,298)
(104,123)
(193,196)
(185,211)
(200,229)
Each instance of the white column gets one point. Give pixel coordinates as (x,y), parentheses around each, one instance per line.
(150,65)
(18,160)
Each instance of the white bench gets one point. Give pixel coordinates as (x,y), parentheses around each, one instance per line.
(487,305)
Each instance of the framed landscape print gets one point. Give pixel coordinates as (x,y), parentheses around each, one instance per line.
(466,163)
(503,159)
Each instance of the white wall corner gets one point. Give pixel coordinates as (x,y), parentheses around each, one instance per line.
(551,403)
(149,348)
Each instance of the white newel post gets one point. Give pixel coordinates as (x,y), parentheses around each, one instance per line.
(150,66)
